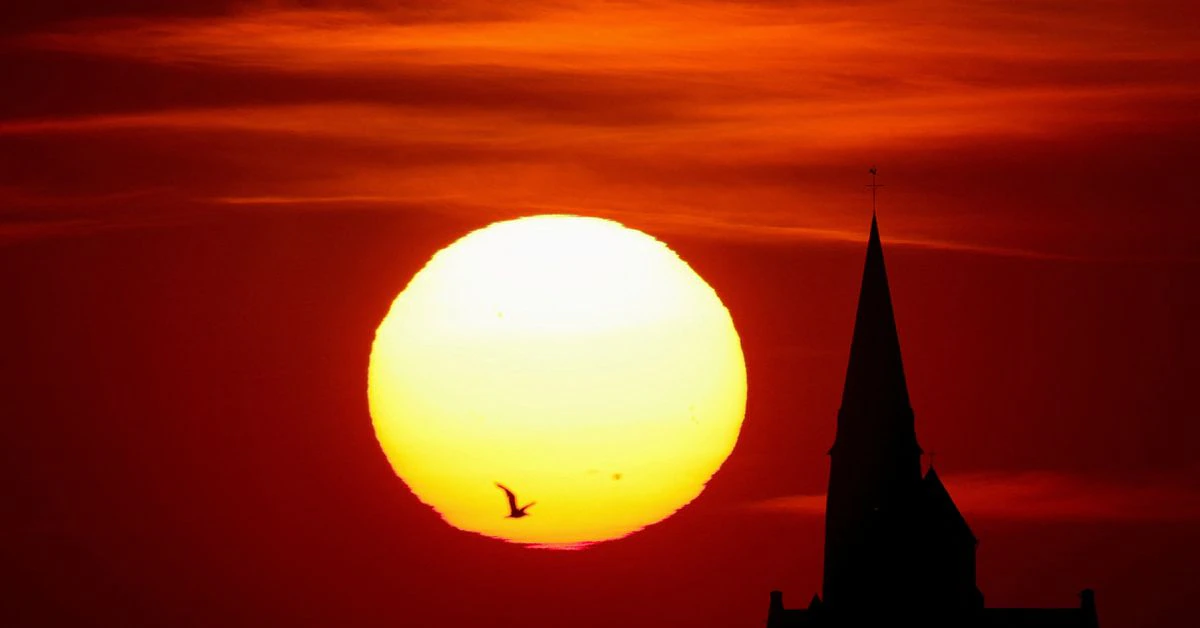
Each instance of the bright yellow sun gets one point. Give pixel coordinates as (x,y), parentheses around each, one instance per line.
(580,363)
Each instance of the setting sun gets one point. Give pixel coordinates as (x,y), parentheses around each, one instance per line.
(580,363)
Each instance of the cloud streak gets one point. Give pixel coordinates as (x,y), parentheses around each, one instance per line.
(1045,496)
(861,70)
(732,117)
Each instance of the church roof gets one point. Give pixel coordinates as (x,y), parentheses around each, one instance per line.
(1037,618)
(940,510)
(987,618)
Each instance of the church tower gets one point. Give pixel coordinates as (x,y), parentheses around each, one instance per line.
(875,461)
(897,549)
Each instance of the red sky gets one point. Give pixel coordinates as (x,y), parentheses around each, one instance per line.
(206,208)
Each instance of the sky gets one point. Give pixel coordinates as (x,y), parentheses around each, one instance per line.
(207,207)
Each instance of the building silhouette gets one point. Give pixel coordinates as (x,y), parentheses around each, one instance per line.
(897,550)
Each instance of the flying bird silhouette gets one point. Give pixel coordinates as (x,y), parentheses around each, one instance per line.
(513,511)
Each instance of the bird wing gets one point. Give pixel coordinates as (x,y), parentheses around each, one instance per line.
(512,499)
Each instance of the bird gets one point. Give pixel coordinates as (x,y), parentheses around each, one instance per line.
(513,511)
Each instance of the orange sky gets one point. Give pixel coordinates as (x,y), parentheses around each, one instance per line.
(998,127)
(205,204)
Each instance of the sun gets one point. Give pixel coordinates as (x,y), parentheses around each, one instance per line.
(580,363)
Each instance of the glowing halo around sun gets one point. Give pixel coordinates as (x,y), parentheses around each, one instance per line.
(581,363)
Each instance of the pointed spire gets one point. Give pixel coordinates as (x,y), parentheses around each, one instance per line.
(875,462)
(875,381)
(932,477)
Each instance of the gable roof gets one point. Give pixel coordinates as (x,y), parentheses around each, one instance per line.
(940,510)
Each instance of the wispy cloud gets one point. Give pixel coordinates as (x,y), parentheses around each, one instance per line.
(1046,496)
(845,70)
(743,119)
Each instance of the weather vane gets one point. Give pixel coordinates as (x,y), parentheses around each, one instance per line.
(874,186)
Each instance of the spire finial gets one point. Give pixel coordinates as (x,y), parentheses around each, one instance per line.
(874,186)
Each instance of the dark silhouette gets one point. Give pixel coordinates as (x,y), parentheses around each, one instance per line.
(897,550)
(513,511)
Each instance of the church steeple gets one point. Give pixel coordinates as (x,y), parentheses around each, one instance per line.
(875,462)
(875,394)
(897,549)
